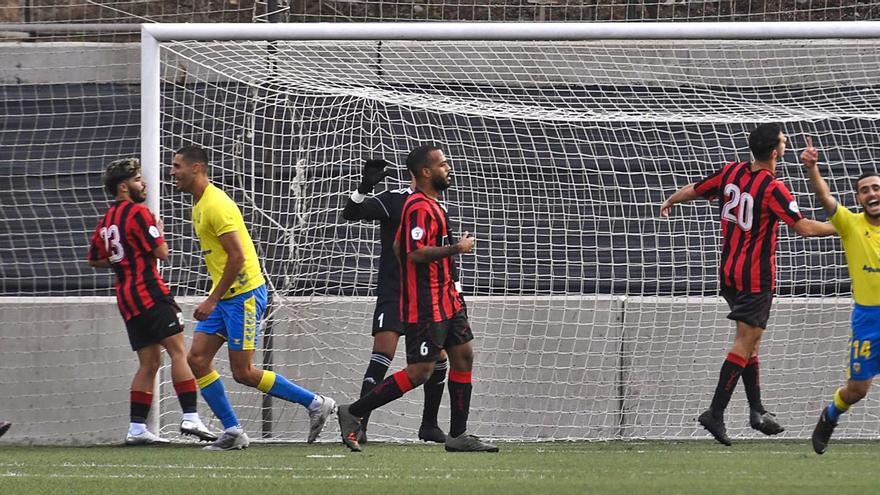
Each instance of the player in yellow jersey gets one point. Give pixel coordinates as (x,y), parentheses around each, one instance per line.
(233,310)
(860,236)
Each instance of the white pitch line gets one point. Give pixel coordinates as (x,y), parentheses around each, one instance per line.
(267,468)
(222,477)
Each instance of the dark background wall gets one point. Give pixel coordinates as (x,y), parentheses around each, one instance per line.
(557,208)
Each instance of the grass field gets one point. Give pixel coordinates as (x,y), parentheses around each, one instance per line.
(754,468)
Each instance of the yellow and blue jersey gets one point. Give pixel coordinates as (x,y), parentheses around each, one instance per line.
(861,242)
(214,215)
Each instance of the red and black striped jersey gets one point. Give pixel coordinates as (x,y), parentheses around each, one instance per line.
(427,290)
(127,236)
(751,204)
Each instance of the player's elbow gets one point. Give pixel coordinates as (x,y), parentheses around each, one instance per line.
(350,213)
(235,261)
(99,263)
(827,201)
(161,252)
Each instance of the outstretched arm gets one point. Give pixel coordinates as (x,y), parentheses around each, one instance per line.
(686,193)
(811,228)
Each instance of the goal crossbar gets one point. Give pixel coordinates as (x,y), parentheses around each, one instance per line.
(536,31)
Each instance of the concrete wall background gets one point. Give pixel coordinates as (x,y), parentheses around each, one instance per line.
(594,62)
(546,368)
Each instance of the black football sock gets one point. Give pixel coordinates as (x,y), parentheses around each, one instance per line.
(751,377)
(390,389)
(459,401)
(376,370)
(727,380)
(434,393)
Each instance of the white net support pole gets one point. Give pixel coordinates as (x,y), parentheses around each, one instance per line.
(151,161)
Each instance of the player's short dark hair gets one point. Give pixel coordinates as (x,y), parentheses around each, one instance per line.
(118,171)
(418,158)
(865,175)
(764,139)
(193,154)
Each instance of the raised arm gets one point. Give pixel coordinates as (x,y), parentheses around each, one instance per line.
(810,159)
(686,193)
(357,208)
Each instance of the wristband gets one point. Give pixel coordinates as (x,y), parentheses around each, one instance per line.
(357,197)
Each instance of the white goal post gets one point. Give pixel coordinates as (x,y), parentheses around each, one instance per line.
(594,318)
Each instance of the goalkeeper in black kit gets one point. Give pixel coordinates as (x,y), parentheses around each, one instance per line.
(386,208)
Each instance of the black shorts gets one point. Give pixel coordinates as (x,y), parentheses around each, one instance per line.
(152,326)
(386,317)
(750,308)
(424,341)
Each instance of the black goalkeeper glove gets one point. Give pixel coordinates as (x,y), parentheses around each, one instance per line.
(374,172)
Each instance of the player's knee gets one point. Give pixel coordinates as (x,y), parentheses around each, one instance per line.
(419,373)
(384,347)
(176,353)
(245,376)
(150,365)
(198,364)
(857,391)
(462,358)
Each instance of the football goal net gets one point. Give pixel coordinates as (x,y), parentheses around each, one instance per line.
(594,318)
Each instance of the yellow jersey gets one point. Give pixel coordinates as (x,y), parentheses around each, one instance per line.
(216,214)
(861,242)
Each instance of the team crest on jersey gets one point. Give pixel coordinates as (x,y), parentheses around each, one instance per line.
(417,233)
(793,207)
(154,231)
